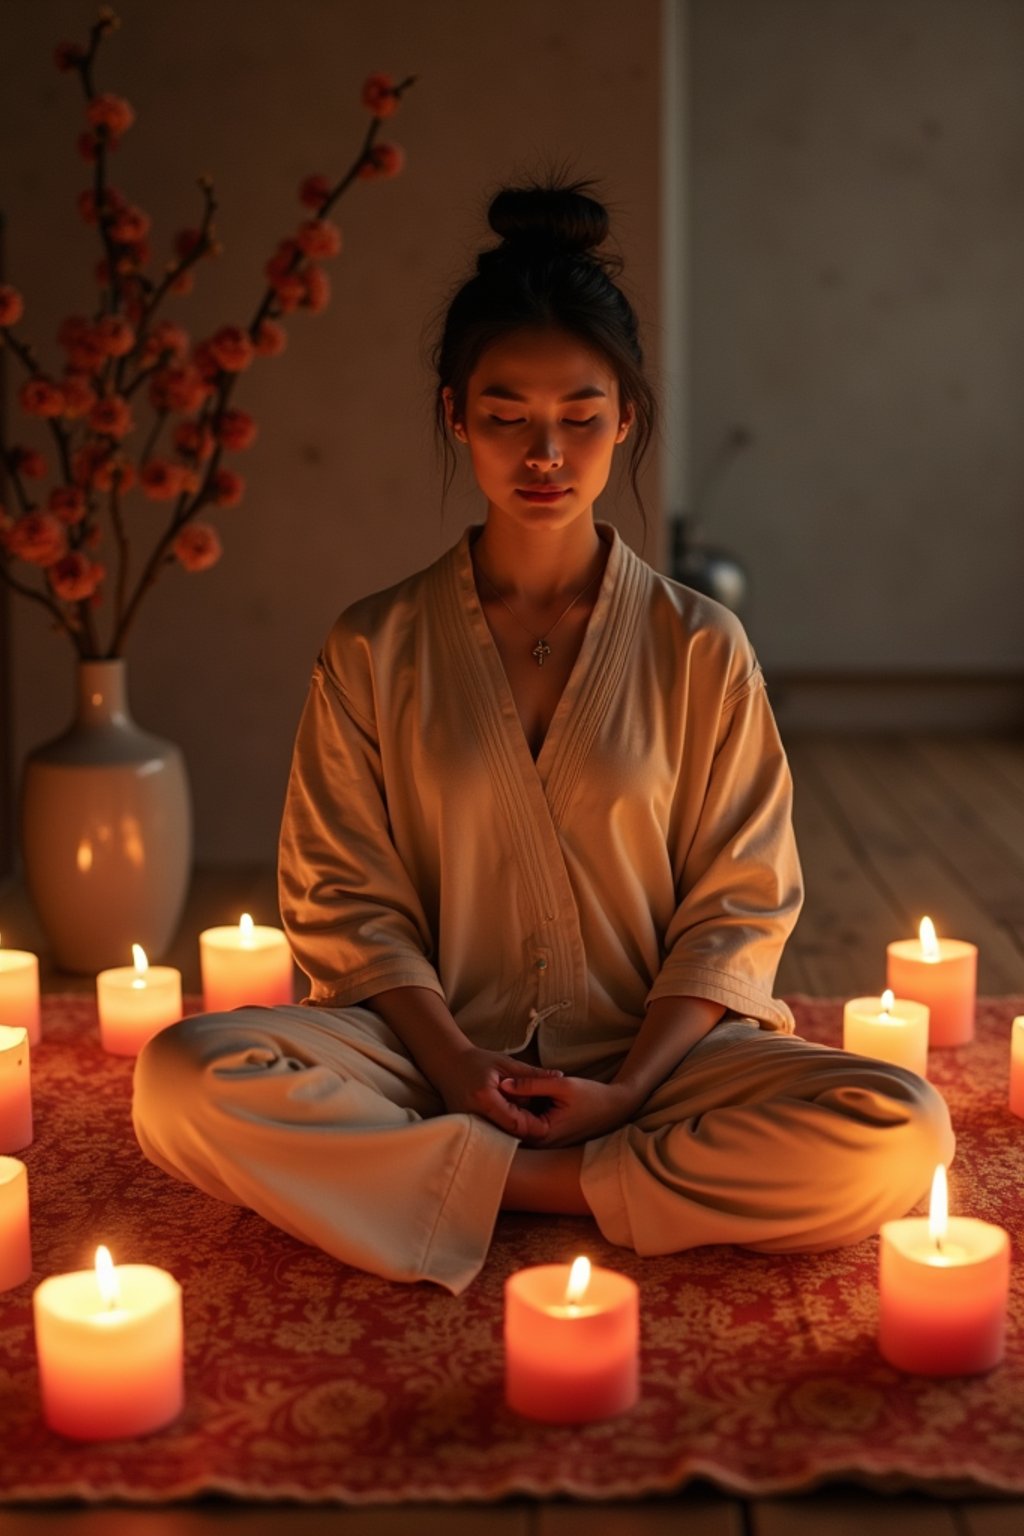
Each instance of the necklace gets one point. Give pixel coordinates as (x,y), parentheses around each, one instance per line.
(541,650)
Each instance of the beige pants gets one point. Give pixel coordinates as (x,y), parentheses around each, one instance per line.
(319,1120)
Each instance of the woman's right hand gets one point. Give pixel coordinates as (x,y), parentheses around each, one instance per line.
(469,1079)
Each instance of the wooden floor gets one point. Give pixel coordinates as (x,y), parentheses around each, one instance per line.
(889,829)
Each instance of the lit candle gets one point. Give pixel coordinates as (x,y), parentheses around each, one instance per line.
(943,1290)
(135,1002)
(15,1090)
(19,991)
(1017,1066)
(15,1239)
(571,1343)
(941,973)
(888,1029)
(110,1349)
(248,964)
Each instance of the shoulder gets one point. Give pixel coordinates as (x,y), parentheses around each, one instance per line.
(702,636)
(380,629)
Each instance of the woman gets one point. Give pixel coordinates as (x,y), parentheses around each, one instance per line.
(537,863)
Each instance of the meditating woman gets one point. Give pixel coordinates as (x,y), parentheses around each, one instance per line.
(537,863)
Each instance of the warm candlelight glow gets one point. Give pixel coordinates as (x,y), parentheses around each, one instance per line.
(245,931)
(106,1279)
(141,963)
(579,1280)
(938,1209)
(929,942)
(888,1003)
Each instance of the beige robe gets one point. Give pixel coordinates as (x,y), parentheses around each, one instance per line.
(648,852)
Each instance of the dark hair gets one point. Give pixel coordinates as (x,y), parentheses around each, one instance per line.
(545,273)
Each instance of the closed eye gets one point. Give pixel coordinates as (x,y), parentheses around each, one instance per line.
(517,421)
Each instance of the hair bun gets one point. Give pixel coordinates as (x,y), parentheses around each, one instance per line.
(561,218)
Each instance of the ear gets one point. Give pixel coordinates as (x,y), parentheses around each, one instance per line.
(455,427)
(628,418)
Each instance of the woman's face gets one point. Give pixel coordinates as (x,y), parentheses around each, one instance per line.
(542,411)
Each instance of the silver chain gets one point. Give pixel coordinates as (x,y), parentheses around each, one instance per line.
(541,650)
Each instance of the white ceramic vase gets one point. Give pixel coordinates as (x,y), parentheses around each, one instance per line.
(106,831)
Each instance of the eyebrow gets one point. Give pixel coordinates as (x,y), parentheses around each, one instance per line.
(499,392)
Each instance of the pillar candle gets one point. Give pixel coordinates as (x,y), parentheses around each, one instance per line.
(1017,1066)
(135,1002)
(941,973)
(15,1239)
(248,964)
(15,1090)
(889,1029)
(571,1343)
(943,1290)
(19,991)
(110,1348)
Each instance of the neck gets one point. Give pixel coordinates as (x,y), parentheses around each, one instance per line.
(538,568)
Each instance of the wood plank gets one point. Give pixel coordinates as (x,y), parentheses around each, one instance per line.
(217,1518)
(851,1512)
(698,1514)
(1000,1517)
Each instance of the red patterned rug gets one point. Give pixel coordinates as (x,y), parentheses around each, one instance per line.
(306,1380)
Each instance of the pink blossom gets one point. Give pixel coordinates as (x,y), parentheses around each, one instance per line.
(38,537)
(236,430)
(115,335)
(160,479)
(283,261)
(195,439)
(165,337)
(232,348)
(228,488)
(41,397)
(318,290)
(205,361)
(111,113)
(68,503)
(382,161)
(112,417)
(79,395)
(130,226)
(319,238)
(75,576)
(378,95)
(83,343)
(68,56)
(28,462)
(289,291)
(314,191)
(197,546)
(181,387)
(12,305)
(114,472)
(271,338)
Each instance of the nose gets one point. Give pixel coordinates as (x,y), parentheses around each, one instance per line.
(545,450)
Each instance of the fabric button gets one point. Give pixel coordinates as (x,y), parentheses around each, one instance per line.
(540,964)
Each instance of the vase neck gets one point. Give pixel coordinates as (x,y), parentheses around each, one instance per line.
(102,692)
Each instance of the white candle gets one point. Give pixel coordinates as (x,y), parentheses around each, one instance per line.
(1017,1066)
(571,1343)
(15,1239)
(135,1002)
(250,964)
(15,1090)
(941,973)
(110,1348)
(943,1290)
(19,991)
(889,1029)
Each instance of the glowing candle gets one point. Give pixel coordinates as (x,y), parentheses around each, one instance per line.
(1017,1066)
(942,973)
(248,964)
(15,1090)
(110,1349)
(15,1240)
(135,1002)
(571,1343)
(889,1029)
(19,991)
(943,1290)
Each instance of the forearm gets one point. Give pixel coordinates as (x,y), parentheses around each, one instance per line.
(422,1021)
(671,1027)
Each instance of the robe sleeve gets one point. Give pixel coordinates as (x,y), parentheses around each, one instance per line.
(740,888)
(354,921)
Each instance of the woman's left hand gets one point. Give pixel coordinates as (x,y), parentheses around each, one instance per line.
(573,1109)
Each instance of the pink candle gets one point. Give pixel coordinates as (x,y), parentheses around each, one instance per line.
(943,1291)
(889,1029)
(110,1350)
(135,1002)
(1017,1066)
(571,1343)
(19,991)
(15,1090)
(248,964)
(942,973)
(15,1239)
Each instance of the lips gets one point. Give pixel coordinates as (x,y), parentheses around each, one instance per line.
(543,492)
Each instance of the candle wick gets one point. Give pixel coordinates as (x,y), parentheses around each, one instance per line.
(938,1245)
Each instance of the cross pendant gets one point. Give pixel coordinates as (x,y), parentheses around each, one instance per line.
(541,652)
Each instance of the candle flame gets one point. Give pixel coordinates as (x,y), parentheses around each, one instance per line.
(106,1277)
(139,956)
(888,1003)
(245,933)
(929,943)
(938,1210)
(579,1280)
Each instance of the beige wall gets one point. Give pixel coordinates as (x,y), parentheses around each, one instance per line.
(857,301)
(343,484)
